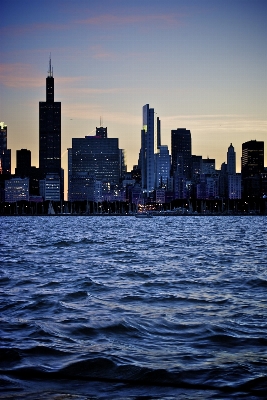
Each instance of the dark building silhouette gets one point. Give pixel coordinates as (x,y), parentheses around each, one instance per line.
(252,166)
(101,132)
(24,169)
(252,161)
(23,163)
(5,153)
(49,131)
(181,151)
(158,133)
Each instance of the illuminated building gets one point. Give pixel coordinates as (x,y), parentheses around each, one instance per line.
(147,150)
(162,167)
(16,189)
(50,187)
(93,159)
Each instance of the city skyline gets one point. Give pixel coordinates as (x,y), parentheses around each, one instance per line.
(201,67)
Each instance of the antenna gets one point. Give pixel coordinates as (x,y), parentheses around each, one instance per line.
(50,71)
(101,122)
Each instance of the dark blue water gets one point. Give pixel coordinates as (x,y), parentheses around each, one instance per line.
(126,308)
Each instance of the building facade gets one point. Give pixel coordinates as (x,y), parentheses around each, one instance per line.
(147,150)
(181,151)
(93,159)
(50,132)
(16,189)
(5,153)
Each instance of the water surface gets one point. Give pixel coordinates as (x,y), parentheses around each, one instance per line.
(118,307)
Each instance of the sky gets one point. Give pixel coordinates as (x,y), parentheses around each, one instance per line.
(201,64)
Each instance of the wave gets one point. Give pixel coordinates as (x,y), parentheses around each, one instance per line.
(110,370)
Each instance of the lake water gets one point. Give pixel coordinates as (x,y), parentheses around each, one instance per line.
(126,308)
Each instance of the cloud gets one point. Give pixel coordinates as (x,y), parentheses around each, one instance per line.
(103,21)
(111,19)
(93,111)
(19,75)
(217,122)
(32,28)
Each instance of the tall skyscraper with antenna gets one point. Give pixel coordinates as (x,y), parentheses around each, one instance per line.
(50,130)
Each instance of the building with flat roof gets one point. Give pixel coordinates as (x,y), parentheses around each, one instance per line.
(16,189)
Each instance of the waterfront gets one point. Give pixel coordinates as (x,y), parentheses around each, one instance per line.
(120,307)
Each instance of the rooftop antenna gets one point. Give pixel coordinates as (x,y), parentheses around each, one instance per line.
(50,71)
(101,122)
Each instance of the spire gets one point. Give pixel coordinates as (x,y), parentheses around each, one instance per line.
(50,71)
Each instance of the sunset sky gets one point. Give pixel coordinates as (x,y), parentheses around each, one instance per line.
(201,64)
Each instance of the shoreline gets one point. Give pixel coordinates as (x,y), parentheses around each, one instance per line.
(133,215)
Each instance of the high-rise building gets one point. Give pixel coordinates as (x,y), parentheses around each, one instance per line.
(162,167)
(5,153)
(92,159)
(158,132)
(252,166)
(50,131)
(208,166)
(252,161)
(23,164)
(147,150)
(181,151)
(231,160)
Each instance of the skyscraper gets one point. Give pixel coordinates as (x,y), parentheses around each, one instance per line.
(147,150)
(181,151)
(5,153)
(49,130)
(252,161)
(252,166)
(91,159)
(162,167)
(23,165)
(231,160)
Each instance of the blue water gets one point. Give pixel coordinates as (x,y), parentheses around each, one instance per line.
(125,308)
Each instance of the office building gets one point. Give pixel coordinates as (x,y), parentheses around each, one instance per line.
(91,159)
(23,163)
(234,186)
(252,167)
(252,161)
(181,151)
(16,189)
(162,167)
(5,153)
(50,187)
(50,132)
(147,151)
(231,160)
(208,166)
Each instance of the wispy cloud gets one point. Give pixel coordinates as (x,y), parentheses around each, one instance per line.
(217,122)
(19,75)
(104,21)
(32,28)
(112,19)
